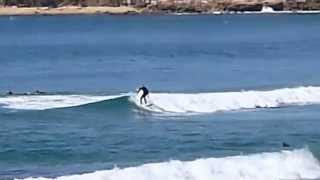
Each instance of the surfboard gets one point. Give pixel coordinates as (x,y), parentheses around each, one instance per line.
(148,105)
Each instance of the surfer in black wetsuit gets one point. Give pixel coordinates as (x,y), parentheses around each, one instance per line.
(37,92)
(9,93)
(145,92)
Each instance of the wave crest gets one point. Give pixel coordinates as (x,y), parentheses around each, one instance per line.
(296,164)
(176,102)
(43,102)
(227,101)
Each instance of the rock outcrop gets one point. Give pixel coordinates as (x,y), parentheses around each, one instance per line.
(178,6)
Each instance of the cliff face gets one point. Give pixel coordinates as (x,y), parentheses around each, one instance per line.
(176,5)
(234,5)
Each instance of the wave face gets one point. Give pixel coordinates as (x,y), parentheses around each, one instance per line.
(37,102)
(296,164)
(227,101)
(176,102)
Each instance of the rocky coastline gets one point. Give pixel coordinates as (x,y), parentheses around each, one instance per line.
(60,7)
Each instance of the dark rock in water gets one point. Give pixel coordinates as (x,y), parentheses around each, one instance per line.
(171,7)
(276,6)
(244,7)
(284,144)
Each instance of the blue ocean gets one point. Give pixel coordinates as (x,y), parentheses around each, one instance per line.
(231,97)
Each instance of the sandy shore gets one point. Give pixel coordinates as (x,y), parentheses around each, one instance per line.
(66,10)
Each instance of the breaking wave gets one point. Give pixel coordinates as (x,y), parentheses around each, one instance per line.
(43,102)
(227,101)
(177,102)
(295,164)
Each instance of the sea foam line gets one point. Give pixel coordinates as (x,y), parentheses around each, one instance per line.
(295,164)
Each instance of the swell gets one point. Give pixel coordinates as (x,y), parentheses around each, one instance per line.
(44,102)
(121,102)
(295,164)
(182,103)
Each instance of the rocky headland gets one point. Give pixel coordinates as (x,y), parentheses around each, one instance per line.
(52,7)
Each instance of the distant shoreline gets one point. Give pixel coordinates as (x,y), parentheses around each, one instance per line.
(122,10)
(67,10)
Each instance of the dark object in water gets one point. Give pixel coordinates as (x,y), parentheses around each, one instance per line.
(37,92)
(284,144)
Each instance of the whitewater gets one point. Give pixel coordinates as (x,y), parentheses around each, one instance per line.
(228,101)
(295,164)
(177,102)
(43,102)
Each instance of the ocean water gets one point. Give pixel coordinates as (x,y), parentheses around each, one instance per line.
(226,92)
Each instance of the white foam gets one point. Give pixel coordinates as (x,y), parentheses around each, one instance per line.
(276,12)
(226,101)
(42,102)
(267,9)
(296,164)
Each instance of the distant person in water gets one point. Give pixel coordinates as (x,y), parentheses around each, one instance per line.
(145,92)
(37,92)
(9,93)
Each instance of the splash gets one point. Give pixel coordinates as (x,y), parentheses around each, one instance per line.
(296,164)
(228,101)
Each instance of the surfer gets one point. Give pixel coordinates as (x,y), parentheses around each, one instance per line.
(37,92)
(9,93)
(145,92)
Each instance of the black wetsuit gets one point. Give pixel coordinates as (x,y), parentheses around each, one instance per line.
(145,92)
